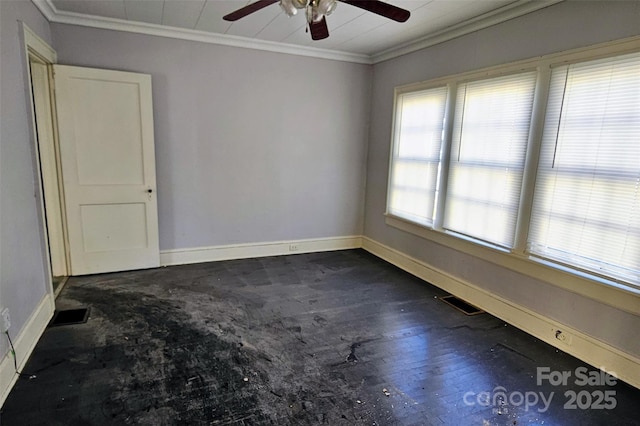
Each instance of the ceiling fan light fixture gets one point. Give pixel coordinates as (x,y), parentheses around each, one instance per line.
(313,15)
(300,4)
(288,7)
(318,9)
(326,7)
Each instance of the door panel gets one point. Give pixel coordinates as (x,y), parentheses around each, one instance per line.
(108,227)
(105,123)
(102,158)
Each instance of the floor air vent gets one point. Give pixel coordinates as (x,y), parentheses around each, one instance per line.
(461,305)
(69,316)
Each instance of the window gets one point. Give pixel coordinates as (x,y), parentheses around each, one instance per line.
(587,196)
(543,165)
(416,154)
(490,133)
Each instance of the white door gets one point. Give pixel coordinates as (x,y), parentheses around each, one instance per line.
(105,128)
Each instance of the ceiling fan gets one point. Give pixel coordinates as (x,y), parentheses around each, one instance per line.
(317,11)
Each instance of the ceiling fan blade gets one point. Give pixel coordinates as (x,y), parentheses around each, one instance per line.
(248,9)
(319,30)
(381,8)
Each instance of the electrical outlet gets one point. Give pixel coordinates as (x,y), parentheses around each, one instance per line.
(5,320)
(293,247)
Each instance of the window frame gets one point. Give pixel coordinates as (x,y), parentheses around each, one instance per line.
(450,142)
(582,263)
(618,293)
(396,132)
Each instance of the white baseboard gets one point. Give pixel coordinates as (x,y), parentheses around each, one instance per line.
(586,348)
(24,344)
(244,251)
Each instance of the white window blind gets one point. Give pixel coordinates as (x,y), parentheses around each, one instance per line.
(489,142)
(586,209)
(416,154)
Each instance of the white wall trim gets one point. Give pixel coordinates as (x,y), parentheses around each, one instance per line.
(53,15)
(24,344)
(39,46)
(590,350)
(584,347)
(35,46)
(250,250)
(617,295)
(505,13)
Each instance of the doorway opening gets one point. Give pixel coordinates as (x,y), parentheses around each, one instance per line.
(40,58)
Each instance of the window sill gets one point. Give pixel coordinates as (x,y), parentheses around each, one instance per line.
(616,294)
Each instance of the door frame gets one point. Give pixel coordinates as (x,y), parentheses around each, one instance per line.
(47,174)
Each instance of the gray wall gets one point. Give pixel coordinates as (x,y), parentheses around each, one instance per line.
(23,278)
(255,146)
(251,146)
(560,27)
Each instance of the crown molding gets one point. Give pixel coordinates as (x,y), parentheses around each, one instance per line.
(505,13)
(52,14)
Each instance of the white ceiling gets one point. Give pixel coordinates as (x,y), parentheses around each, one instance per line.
(353,31)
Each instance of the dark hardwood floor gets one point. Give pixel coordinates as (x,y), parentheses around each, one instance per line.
(336,338)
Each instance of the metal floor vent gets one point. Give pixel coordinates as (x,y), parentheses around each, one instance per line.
(69,316)
(461,305)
